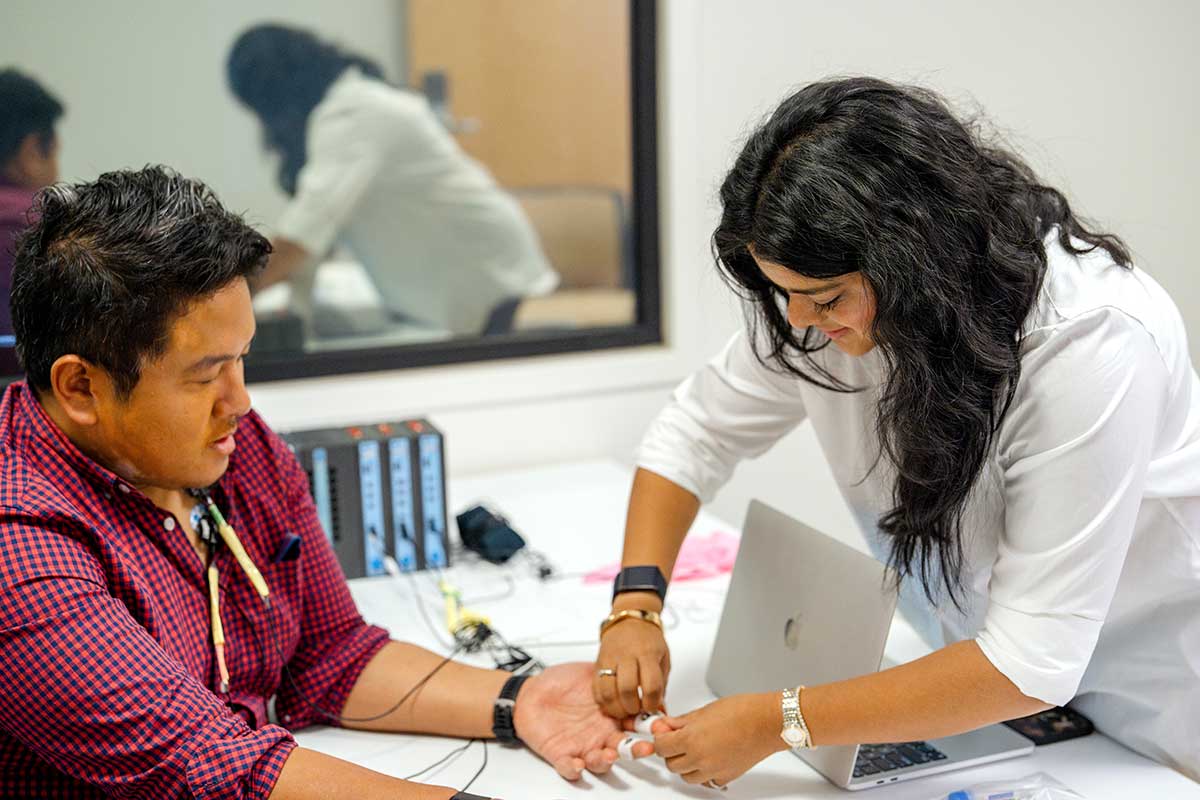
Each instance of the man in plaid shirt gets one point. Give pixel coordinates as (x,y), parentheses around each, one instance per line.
(132,315)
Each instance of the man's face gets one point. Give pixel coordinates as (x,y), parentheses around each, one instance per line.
(175,430)
(35,164)
(44,167)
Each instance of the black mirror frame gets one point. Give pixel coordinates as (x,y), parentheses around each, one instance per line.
(646,330)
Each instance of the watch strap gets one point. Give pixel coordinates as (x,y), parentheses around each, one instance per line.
(641,579)
(795,730)
(468,796)
(503,726)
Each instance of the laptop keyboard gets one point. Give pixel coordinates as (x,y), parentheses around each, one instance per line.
(876,758)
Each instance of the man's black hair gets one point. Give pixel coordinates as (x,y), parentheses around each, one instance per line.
(26,108)
(107,266)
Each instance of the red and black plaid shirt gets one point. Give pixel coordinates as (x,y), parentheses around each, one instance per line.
(107,673)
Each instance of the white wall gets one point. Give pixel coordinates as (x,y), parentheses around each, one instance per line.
(1101,96)
(144,81)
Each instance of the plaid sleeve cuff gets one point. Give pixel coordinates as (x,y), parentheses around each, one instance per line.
(244,765)
(328,683)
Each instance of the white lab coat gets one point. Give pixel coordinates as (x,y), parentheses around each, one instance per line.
(1082,536)
(441,241)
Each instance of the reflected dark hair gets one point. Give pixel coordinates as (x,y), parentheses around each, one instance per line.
(27,108)
(863,175)
(281,74)
(107,266)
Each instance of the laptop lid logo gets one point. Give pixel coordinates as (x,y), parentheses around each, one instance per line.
(791,632)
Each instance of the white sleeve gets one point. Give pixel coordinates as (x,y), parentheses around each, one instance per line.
(1074,451)
(732,408)
(343,158)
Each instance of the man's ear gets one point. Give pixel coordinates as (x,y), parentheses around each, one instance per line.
(78,385)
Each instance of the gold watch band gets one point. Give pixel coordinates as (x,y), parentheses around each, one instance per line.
(631,613)
(795,731)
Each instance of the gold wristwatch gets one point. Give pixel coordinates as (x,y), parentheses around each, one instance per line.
(795,730)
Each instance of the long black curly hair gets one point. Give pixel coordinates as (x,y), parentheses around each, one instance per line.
(281,73)
(862,175)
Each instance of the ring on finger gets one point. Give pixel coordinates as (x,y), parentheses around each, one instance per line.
(712,784)
(606,673)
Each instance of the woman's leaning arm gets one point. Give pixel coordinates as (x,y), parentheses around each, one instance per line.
(660,514)
(952,690)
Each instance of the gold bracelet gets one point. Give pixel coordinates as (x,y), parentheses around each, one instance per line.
(631,613)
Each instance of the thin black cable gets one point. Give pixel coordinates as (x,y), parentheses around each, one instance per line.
(331,715)
(325,712)
(458,751)
(476,636)
(478,772)
(341,718)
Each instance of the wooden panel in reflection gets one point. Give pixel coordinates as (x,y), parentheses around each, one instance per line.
(547,81)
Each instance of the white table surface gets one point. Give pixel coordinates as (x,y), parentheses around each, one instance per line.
(574,514)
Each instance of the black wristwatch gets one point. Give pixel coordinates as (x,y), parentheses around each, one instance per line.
(641,579)
(502,710)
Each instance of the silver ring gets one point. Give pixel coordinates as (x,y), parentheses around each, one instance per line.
(606,673)
(711,784)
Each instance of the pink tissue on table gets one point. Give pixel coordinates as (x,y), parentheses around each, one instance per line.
(700,557)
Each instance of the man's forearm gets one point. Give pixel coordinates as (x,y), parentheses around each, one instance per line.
(457,701)
(309,775)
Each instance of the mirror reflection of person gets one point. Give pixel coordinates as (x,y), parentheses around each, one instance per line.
(369,165)
(1006,403)
(28,162)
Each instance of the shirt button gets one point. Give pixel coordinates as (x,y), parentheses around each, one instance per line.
(169,523)
(123,488)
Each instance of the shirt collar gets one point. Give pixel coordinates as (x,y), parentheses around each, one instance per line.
(60,444)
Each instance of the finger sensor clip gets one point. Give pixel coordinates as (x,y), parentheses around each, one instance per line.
(644,722)
(625,748)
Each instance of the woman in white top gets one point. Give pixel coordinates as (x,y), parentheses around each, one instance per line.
(370,165)
(1006,403)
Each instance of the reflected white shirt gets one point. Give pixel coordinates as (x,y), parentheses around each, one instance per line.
(441,241)
(1082,536)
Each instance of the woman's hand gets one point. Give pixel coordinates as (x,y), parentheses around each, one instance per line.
(558,719)
(637,652)
(723,739)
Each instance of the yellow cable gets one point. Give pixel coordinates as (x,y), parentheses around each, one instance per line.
(235,546)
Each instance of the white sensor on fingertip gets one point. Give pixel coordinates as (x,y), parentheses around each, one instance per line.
(643,723)
(625,748)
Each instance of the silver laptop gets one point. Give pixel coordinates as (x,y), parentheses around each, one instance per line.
(805,608)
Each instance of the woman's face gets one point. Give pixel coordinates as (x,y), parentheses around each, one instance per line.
(842,308)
